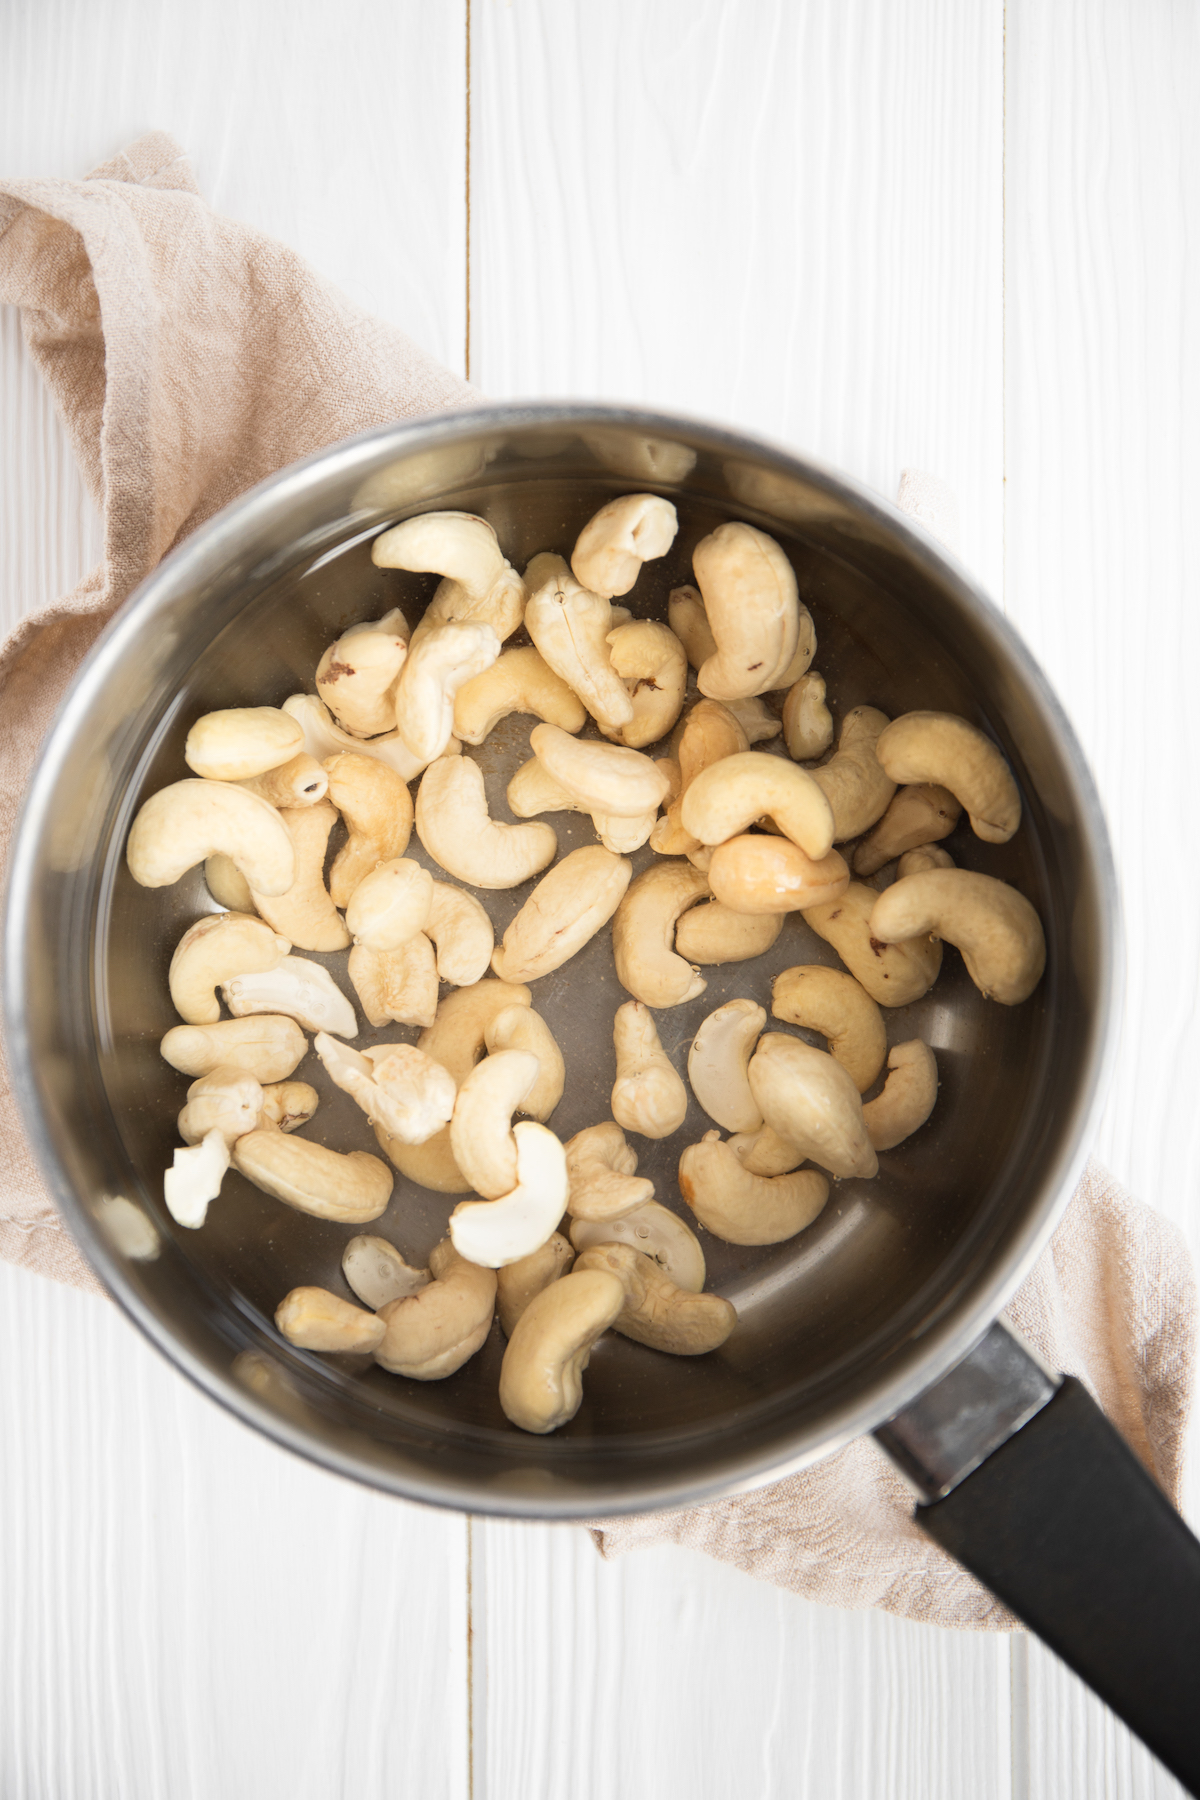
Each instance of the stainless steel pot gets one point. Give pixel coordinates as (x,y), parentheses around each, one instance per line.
(841,1329)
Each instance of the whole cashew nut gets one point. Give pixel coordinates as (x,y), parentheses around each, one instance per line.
(432,1333)
(189,821)
(807,721)
(516,1224)
(565,911)
(356,677)
(995,927)
(211,952)
(519,681)
(306,913)
(239,742)
(601,1169)
(853,782)
(743,1208)
(749,592)
(917,816)
(541,1377)
(650,660)
(908,1095)
(479,586)
(439,662)
(267,1047)
(314,1319)
(481,1134)
(377,807)
(718,1061)
(350,1189)
(454,826)
(656,1312)
(771,875)
(726,798)
(570,627)
(713,933)
(520,1028)
(833,1003)
(812,1102)
(893,973)
(396,987)
(710,733)
(648,1096)
(944,749)
(643,934)
(605,778)
(616,541)
(462,932)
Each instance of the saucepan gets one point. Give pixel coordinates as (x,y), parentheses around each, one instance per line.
(881,1316)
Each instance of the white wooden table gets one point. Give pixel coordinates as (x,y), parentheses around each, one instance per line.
(957,234)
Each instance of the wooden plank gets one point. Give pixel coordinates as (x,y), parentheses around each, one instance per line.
(190,1611)
(790,218)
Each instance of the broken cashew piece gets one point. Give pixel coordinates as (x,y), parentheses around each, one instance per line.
(601,1174)
(852,781)
(350,1189)
(917,816)
(396,987)
(517,1283)
(302,989)
(377,1273)
(995,927)
(718,1061)
(650,660)
(516,1224)
(314,1319)
(288,1104)
(211,952)
(713,933)
(754,612)
(481,1134)
(357,675)
(267,1047)
(306,913)
(946,750)
(195,1178)
(377,807)
(657,1313)
(772,875)
(644,930)
(541,1377)
(479,584)
(648,1095)
(570,627)
(435,1331)
(406,1091)
(564,912)
(832,1002)
(520,1028)
(908,1095)
(189,821)
(616,541)
(758,723)
(726,798)
(807,721)
(656,1232)
(227,1101)
(391,904)
(810,1101)
(519,681)
(894,974)
(240,742)
(743,1208)
(454,826)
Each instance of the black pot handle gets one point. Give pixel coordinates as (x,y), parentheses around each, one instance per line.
(1054,1513)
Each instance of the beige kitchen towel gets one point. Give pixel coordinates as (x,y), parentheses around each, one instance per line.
(191,356)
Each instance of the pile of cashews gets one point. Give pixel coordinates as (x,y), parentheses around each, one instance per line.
(742,837)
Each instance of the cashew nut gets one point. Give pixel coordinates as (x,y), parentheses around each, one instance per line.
(462,931)
(807,721)
(517,1283)
(351,1189)
(907,1098)
(288,1104)
(377,807)
(718,1060)
(541,1377)
(570,627)
(195,1178)
(894,974)
(481,1135)
(396,987)
(853,781)
(712,933)
(657,1233)
(928,856)
(996,929)
(641,459)
(812,1102)
(183,824)
(616,541)
(519,681)
(600,1171)
(404,1090)
(432,1333)
(564,912)
(643,933)
(758,723)
(300,782)
(764,1152)
(605,778)
(240,742)
(534,790)
(302,989)
(479,582)
(439,662)
(314,1319)
(324,737)
(917,816)
(306,913)
(648,1095)
(689,621)
(772,875)
(942,748)
(227,885)
(454,826)
(356,677)
(265,1047)
(378,1274)
(657,1313)
(650,660)
(515,1224)
(227,1100)
(833,1003)
(743,1208)
(710,733)
(391,904)
(520,1028)
(749,592)
(211,952)
(727,797)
